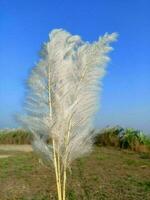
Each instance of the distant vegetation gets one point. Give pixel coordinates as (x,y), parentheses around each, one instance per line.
(128,138)
(117,136)
(15,136)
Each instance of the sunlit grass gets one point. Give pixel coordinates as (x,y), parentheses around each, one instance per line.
(107,174)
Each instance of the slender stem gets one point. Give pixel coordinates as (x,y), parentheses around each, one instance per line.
(59,172)
(64,183)
(56,172)
(55,155)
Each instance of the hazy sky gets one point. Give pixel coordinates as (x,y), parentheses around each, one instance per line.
(24,25)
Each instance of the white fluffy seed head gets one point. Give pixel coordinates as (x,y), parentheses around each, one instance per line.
(63,89)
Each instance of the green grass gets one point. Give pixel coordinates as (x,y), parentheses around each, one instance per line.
(106,174)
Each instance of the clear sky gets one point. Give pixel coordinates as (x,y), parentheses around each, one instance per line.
(24,25)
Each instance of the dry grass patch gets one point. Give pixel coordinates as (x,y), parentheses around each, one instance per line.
(106,174)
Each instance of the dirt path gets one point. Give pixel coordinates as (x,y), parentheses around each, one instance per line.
(13,148)
(4,156)
(24,148)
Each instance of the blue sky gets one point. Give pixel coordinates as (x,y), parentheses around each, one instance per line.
(24,25)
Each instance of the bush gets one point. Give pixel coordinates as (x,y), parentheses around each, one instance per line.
(128,138)
(109,136)
(15,136)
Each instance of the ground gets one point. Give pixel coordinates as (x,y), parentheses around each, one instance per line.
(105,174)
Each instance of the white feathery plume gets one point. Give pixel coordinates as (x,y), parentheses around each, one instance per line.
(63,90)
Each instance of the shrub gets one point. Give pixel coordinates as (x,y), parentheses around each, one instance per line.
(109,136)
(128,138)
(15,136)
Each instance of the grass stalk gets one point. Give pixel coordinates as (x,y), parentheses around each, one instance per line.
(64,183)
(58,182)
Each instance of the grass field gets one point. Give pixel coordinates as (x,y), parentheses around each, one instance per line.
(105,174)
